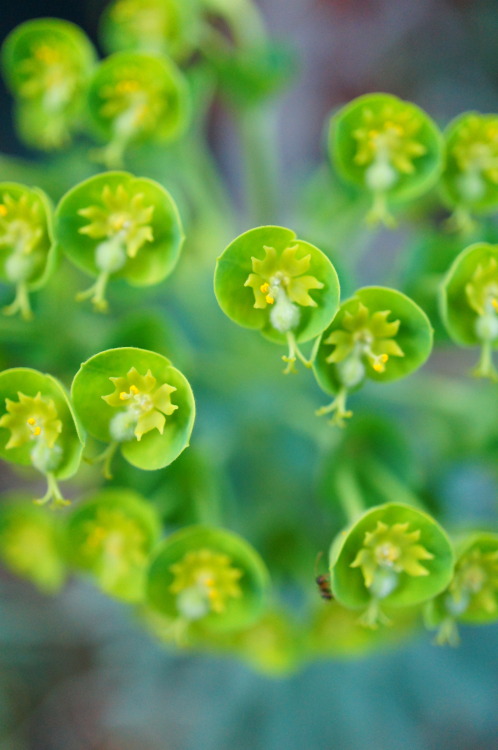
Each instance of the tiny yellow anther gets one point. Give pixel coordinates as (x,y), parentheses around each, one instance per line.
(384,358)
(31,421)
(378,367)
(265,288)
(494,302)
(3,210)
(134,389)
(37,431)
(269,299)
(123,395)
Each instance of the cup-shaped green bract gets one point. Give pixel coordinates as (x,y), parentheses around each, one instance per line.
(208,576)
(169,27)
(470,177)
(26,246)
(269,280)
(386,146)
(469,302)
(38,426)
(110,536)
(31,543)
(380,334)
(394,555)
(47,63)
(472,595)
(115,225)
(135,97)
(137,400)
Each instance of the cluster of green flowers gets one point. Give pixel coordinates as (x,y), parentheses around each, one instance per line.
(203,585)
(113,225)
(132,399)
(267,279)
(393,149)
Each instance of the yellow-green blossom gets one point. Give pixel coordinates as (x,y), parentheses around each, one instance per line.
(482,289)
(365,336)
(389,135)
(148,21)
(475,582)
(31,419)
(285,273)
(121,216)
(50,73)
(21,227)
(113,544)
(391,548)
(475,150)
(204,581)
(145,404)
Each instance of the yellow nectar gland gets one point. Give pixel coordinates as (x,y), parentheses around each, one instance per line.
(127,87)
(124,396)
(381,365)
(47,54)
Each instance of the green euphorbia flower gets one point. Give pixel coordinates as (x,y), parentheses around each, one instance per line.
(394,555)
(164,27)
(147,402)
(115,225)
(39,428)
(47,64)
(150,413)
(207,576)
(135,97)
(26,249)
(110,536)
(30,543)
(470,178)
(472,596)
(469,303)
(378,334)
(267,279)
(387,146)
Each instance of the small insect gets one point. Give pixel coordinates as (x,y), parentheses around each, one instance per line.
(323,582)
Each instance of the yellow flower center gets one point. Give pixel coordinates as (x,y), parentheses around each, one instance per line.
(204,581)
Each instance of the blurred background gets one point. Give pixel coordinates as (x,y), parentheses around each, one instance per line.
(78,671)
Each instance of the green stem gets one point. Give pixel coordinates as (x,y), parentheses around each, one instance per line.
(21,303)
(53,494)
(485,367)
(97,292)
(294,353)
(260,164)
(338,408)
(349,492)
(105,458)
(388,484)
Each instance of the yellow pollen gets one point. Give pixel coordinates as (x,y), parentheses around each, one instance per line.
(264,288)
(3,210)
(47,54)
(127,87)
(384,358)
(378,367)
(31,421)
(269,299)
(494,302)
(118,224)
(37,431)
(123,395)
(134,390)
